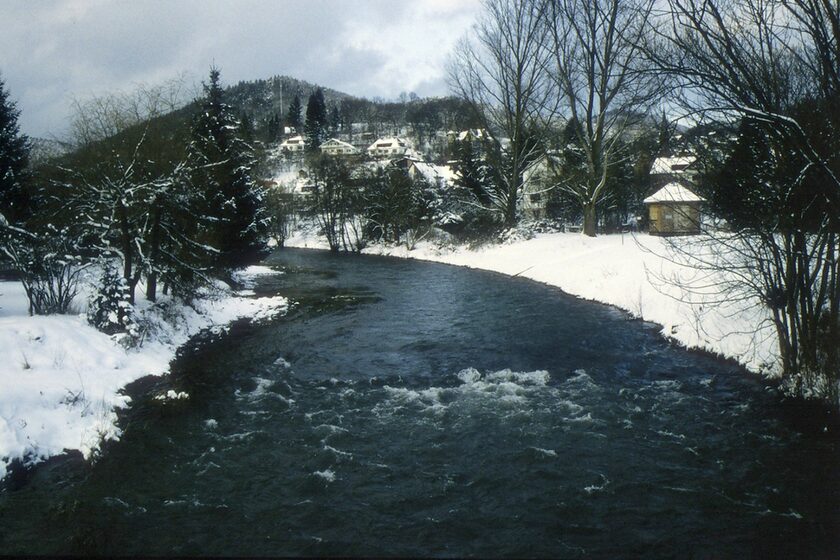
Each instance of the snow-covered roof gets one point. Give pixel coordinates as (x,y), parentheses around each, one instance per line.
(434,173)
(673,192)
(293,141)
(471,133)
(388,143)
(671,165)
(336,143)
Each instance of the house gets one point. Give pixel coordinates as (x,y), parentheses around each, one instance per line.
(387,147)
(537,181)
(440,175)
(293,144)
(668,169)
(469,135)
(336,147)
(674,210)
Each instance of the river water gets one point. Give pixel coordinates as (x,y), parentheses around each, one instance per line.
(415,409)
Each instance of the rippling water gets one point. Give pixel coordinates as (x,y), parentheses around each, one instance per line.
(409,409)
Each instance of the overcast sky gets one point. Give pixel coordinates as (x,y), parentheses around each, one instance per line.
(54,51)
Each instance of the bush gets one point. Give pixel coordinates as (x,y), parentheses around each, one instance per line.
(48,266)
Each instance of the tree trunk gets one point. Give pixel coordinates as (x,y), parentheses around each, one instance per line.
(510,211)
(151,280)
(128,251)
(590,219)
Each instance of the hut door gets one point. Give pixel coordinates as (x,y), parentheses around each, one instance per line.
(667,219)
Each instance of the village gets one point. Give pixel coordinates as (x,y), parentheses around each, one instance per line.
(670,206)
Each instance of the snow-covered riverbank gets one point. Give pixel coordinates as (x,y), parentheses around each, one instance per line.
(627,271)
(60,379)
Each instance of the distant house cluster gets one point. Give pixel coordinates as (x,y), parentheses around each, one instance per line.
(672,206)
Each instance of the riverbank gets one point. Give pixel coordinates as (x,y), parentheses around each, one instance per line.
(634,272)
(61,379)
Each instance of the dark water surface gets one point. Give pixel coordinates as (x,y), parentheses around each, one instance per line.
(406,408)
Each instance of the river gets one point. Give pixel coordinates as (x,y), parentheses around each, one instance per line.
(414,409)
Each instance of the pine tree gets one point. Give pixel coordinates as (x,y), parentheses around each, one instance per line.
(316,120)
(273,128)
(335,121)
(471,171)
(224,163)
(246,128)
(294,116)
(14,161)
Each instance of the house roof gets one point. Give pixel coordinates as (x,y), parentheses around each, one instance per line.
(471,133)
(670,165)
(673,192)
(433,173)
(339,143)
(387,142)
(293,140)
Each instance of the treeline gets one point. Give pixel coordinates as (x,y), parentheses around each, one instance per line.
(145,199)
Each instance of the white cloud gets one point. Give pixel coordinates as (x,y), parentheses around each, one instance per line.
(51,52)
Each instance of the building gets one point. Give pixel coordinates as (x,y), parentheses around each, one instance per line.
(672,168)
(388,147)
(440,175)
(537,181)
(293,144)
(469,135)
(336,147)
(674,210)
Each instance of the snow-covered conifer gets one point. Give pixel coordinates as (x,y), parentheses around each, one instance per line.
(222,164)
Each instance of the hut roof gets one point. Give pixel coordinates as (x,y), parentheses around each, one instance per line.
(671,165)
(673,192)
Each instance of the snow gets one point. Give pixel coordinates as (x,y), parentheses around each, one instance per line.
(632,272)
(671,165)
(673,192)
(61,379)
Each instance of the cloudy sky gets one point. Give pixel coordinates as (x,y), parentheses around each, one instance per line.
(53,51)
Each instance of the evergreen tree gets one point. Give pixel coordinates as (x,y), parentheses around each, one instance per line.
(471,172)
(335,122)
(223,164)
(246,128)
(665,132)
(316,120)
(294,116)
(14,161)
(273,128)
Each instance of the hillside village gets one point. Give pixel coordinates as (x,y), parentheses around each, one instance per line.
(450,160)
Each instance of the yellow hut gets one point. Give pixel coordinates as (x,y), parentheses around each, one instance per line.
(674,210)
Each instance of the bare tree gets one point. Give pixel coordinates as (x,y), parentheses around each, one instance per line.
(282,209)
(103,116)
(773,66)
(128,190)
(500,70)
(603,84)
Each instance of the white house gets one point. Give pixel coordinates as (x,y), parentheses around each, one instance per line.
(387,147)
(293,144)
(441,175)
(336,147)
(537,181)
(672,168)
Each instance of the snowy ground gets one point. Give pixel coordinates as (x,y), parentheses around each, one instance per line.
(60,379)
(630,271)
